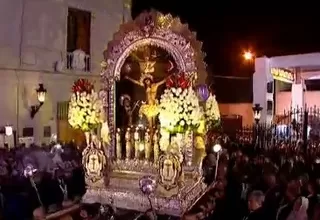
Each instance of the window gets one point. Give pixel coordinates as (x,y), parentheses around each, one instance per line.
(269,107)
(46,131)
(270,87)
(27,132)
(313,85)
(283,86)
(78,35)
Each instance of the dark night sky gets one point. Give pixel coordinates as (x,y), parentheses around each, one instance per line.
(227,30)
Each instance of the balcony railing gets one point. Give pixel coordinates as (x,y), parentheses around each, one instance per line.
(78,60)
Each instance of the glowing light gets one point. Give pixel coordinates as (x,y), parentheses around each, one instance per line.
(8,130)
(41,93)
(248,55)
(217,148)
(141,147)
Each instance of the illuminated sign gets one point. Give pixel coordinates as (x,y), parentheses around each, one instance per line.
(282,75)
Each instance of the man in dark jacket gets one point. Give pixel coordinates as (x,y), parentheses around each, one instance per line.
(255,201)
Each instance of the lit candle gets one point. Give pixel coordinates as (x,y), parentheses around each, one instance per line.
(136,143)
(155,147)
(128,144)
(118,144)
(147,152)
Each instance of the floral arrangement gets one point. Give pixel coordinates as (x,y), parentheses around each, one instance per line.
(179,108)
(211,112)
(178,81)
(85,108)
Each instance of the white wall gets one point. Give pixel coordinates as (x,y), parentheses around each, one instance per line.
(243,109)
(262,76)
(33,37)
(260,80)
(283,100)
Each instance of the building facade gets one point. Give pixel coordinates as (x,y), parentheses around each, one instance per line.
(53,42)
(281,83)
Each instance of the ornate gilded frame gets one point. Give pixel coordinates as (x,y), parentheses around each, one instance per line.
(149,28)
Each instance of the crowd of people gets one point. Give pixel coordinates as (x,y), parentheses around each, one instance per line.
(281,183)
(56,181)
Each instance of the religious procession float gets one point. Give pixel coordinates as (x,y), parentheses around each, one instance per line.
(146,129)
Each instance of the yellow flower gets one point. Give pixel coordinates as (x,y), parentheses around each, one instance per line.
(199,143)
(202,127)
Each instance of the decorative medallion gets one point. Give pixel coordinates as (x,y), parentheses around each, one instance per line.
(170,172)
(94,162)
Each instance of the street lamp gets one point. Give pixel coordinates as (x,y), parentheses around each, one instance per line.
(217,148)
(257,112)
(41,95)
(248,55)
(8,130)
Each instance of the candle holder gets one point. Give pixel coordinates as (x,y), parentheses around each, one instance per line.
(29,172)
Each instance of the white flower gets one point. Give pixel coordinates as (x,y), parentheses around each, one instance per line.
(179,107)
(212,112)
(85,111)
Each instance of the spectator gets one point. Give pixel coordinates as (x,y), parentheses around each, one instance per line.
(255,202)
(299,211)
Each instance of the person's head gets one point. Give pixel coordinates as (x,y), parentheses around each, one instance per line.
(147,82)
(255,200)
(39,214)
(245,159)
(126,102)
(293,190)
(270,179)
(312,187)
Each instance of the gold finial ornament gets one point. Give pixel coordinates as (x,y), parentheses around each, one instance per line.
(164,21)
